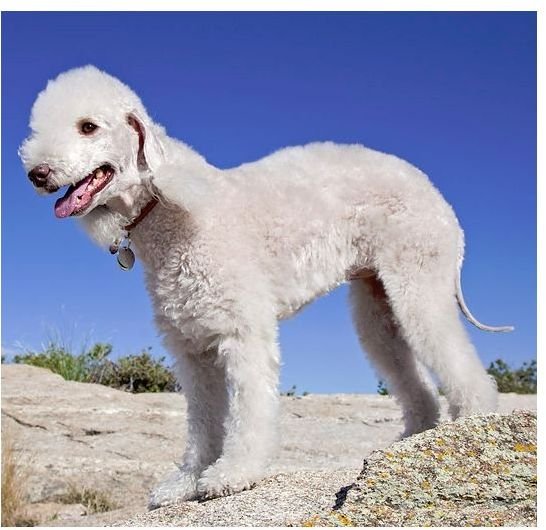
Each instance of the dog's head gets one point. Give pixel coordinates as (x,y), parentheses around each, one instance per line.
(90,132)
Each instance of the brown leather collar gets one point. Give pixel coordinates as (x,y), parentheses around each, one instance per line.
(143,213)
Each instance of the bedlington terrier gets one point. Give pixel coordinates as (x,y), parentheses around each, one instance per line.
(227,253)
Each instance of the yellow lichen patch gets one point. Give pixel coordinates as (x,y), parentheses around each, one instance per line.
(343,519)
(312,521)
(525,448)
(425,485)
(379,510)
(440,441)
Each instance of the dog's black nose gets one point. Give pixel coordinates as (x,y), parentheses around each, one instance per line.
(38,175)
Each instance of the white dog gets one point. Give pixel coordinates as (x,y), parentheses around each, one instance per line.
(229,253)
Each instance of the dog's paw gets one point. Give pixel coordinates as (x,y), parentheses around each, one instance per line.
(216,482)
(177,486)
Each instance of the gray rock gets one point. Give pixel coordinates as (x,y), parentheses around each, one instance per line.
(280,500)
(52,511)
(477,471)
(70,433)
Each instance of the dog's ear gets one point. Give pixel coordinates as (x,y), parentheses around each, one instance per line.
(150,150)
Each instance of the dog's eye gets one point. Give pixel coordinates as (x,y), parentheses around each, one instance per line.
(88,127)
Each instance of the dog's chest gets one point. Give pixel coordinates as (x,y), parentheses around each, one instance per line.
(184,291)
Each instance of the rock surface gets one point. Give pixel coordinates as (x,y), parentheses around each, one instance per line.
(281,500)
(477,471)
(75,434)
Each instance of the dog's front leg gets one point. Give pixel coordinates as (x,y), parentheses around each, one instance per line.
(203,385)
(251,366)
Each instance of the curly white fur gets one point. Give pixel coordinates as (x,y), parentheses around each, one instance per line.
(228,253)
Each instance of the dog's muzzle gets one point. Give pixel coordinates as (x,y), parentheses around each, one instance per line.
(38,175)
(42,178)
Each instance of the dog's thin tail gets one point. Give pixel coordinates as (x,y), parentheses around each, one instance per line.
(466,312)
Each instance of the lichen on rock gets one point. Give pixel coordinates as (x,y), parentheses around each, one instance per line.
(476,471)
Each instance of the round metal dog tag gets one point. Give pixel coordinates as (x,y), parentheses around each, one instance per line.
(126,258)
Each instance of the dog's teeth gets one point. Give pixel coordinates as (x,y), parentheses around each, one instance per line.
(98,173)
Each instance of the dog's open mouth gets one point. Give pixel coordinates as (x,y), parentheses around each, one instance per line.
(79,196)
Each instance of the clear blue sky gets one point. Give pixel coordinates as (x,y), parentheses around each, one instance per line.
(453,93)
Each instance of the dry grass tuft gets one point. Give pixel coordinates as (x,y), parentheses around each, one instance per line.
(14,485)
(94,501)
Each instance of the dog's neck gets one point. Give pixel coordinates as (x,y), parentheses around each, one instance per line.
(106,224)
(131,203)
(128,206)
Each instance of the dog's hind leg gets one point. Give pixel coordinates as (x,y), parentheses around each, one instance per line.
(425,307)
(394,360)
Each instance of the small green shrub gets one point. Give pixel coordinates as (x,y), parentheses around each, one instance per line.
(139,373)
(133,373)
(522,380)
(293,392)
(382,390)
(82,367)
(58,361)
(290,393)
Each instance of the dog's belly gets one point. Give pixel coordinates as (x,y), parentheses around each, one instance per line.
(299,282)
(289,307)
(310,260)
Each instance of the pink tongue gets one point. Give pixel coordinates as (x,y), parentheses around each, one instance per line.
(66,205)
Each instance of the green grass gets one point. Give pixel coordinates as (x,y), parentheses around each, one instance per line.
(133,373)
(56,358)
